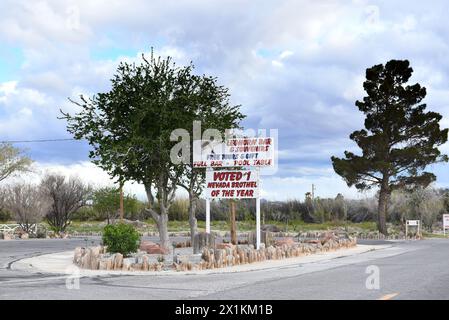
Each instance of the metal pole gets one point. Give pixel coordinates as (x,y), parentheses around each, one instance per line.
(258,223)
(207,215)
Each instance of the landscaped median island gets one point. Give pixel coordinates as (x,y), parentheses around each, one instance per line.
(215,255)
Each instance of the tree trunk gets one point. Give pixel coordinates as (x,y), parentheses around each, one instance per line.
(192,219)
(162,226)
(161,218)
(382,207)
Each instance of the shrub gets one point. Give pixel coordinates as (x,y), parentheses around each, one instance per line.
(85,213)
(4,216)
(121,238)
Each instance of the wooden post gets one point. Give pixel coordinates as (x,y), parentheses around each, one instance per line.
(233,223)
(121,203)
(207,215)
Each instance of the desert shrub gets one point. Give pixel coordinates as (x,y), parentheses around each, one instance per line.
(4,216)
(85,213)
(179,210)
(121,238)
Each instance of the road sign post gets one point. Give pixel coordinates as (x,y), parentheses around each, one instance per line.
(413,223)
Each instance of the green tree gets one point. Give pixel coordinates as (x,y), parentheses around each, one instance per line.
(129,127)
(106,203)
(212,109)
(12,160)
(399,140)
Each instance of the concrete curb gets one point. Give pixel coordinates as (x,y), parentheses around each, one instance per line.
(61,263)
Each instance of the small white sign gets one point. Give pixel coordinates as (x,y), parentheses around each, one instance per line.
(413,222)
(232,184)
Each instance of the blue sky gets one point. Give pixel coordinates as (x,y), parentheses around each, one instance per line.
(295,66)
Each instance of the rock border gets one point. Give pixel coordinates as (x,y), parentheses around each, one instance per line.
(221,256)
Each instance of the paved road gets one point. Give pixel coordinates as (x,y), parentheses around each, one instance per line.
(407,270)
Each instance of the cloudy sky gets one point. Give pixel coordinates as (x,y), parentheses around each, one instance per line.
(295,66)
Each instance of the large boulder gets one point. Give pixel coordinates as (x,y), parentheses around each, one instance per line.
(152,248)
(285,241)
(224,245)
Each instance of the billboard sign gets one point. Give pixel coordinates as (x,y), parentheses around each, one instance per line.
(232,184)
(234,152)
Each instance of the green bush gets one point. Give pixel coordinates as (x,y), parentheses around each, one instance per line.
(84,214)
(4,216)
(121,238)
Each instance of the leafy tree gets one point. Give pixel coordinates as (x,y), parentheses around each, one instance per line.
(211,107)
(129,127)
(106,202)
(12,160)
(66,196)
(399,140)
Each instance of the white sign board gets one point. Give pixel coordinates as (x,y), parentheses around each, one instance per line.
(412,223)
(445,222)
(237,152)
(232,184)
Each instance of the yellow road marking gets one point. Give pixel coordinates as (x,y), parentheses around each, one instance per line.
(389,296)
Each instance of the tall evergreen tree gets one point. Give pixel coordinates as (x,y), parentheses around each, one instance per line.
(399,140)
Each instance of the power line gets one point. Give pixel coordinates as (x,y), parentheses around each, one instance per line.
(38,140)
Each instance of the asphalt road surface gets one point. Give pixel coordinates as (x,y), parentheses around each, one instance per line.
(406,270)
